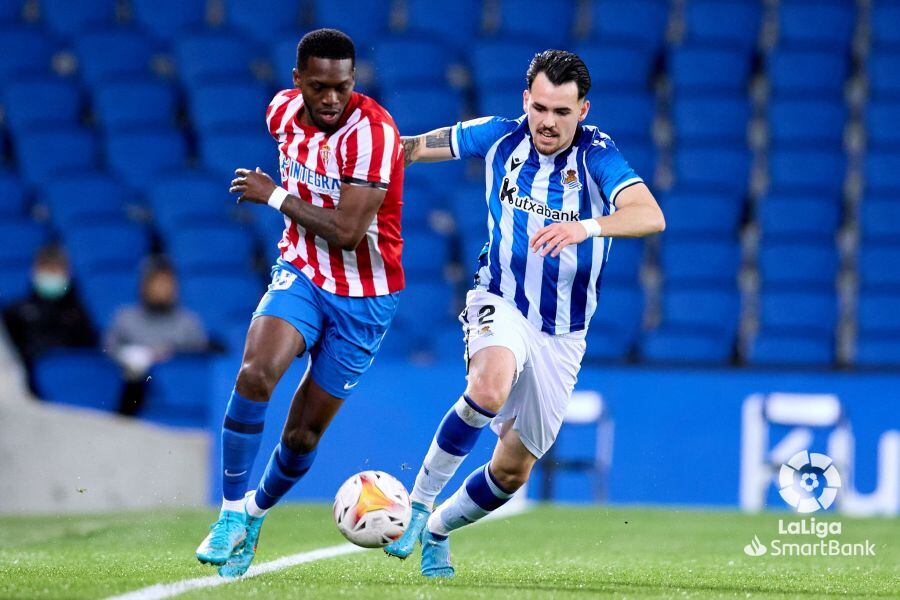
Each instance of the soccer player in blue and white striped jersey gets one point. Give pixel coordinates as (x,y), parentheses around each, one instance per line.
(557,192)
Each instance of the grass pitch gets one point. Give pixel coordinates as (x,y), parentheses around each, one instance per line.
(548,552)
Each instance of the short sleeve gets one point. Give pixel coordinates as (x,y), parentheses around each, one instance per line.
(276,110)
(368,154)
(608,167)
(473,139)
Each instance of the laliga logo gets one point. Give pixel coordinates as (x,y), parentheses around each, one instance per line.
(809,481)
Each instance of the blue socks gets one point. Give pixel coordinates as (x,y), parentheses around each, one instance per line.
(285,468)
(479,496)
(241,435)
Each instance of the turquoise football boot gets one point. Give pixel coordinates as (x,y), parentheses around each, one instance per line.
(407,543)
(225,535)
(435,556)
(240,561)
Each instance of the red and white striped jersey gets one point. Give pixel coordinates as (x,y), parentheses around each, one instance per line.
(365,149)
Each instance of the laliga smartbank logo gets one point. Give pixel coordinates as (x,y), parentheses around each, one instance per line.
(809,482)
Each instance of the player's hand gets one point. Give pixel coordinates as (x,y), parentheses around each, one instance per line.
(253,186)
(553,238)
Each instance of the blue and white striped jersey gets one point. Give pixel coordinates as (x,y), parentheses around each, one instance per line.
(525,191)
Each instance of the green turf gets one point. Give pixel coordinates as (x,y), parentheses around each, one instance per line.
(547,552)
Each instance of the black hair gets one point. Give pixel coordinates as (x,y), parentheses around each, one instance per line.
(560,67)
(156,265)
(325,43)
(51,253)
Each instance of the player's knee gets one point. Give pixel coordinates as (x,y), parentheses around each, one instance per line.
(255,381)
(488,393)
(301,441)
(510,477)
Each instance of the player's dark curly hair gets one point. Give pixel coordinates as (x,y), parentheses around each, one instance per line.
(325,43)
(560,67)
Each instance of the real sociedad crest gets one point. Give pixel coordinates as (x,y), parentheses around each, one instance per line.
(570,179)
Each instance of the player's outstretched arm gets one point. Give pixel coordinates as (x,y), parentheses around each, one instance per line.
(433,146)
(637,215)
(343,226)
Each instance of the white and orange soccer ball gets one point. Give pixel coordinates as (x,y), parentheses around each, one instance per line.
(372,509)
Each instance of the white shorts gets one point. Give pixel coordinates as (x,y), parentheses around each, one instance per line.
(546,367)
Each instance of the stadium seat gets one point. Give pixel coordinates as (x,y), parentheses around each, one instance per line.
(167,19)
(213,56)
(821,171)
(630,22)
(420,200)
(616,322)
(704,262)
(789,216)
(113,54)
(223,152)
(84,378)
(641,156)
(624,115)
(11,11)
(106,290)
(811,265)
(709,69)
(15,283)
(882,172)
(792,350)
(179,391)
(552,30)
(69,19)
(488,72)
(100,199)
(21,240)
(411,62)
(879,267)
(135,104)
(816,23)
(807,73)
(500,101)
(93,248)
(13,199)
(405,105)
(712,309)
(710,119)
(712,169)
(883,69)
(139,156)
(50,102)
(876,313)
(700,212)
(233,105)
(883,124)
(806,122)
(425,254)
(883,22)
(800,311)
(686,346)
(422,300)
(259,20)
(880,219)
(873,350)
(365,32)
(236,296)
(182,199)
(283,55)
(202,247)
(455,24)
(74,149)
(269,228)
(633,67)
(723,23)
(24,51)
(623,264)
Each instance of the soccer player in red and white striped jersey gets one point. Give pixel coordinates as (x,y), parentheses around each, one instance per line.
(334,289)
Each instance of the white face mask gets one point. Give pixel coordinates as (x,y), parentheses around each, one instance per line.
(51,285)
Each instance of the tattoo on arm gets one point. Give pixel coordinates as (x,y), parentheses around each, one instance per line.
(438,139)
(410,144)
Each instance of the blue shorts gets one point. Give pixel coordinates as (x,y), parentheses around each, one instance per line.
(341,333)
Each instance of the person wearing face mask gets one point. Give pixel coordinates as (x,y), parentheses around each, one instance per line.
(152,331)
(51,316)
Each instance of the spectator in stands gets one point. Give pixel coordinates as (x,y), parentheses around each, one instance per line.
(152,331)
(52,315)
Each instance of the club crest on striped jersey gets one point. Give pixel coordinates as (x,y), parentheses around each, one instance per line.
(570,179)
(325,152)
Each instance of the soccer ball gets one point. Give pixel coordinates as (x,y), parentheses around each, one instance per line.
(372,509)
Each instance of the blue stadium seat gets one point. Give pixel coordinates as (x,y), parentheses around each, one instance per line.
(261,19)
(135,104)
(712,169)
(405,104)
(711,119)
(705,262)
(467,205)
(723,23)
(686,346)
(488,72)
(880,219)
(420,200)
(636,22)
(365,32)
(203,247)
(425,254)
(816,23)
(15,283)
(624,115)
(84,378)
(112,54)
(433,298)
(24,52)
(633,67)
(283,54)
(640,155)
(879,267)
(11,11)
(140,156)
(709,69)
(624,263)
(21,239)
(100,199)
(883,69)
(884,19)
(104,291)
(186,198)
(472,243)
(553,29)
(698,326)
(616,322)
(882,171)
(167,19)
(411,62)
(13,199)
(223,152)
(807,73)
(873,350)
(801,312)
(74,149)
(810,121)
(179,392)
(789,216)
(41,103)
(810,170)
(69,19)
(792,349)
(96,247)
(500,101)
(232,105)
(876,313)
(269,229)
(700,212)
(213,56)
(236,296)
(883,124)
(456,24)
(799,265)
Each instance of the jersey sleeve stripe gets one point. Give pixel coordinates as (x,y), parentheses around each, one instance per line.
(363,136)
(622,186)
(454,142)
(376,150)
(388,153)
